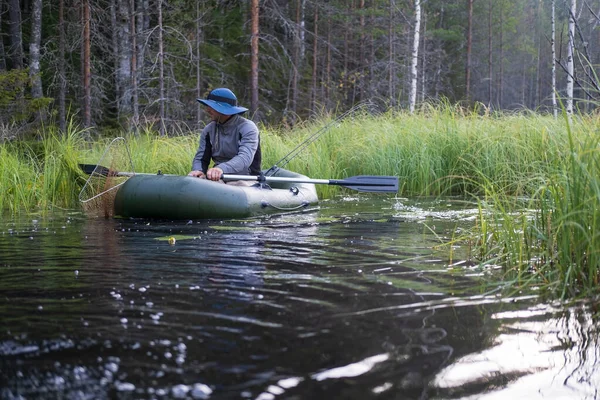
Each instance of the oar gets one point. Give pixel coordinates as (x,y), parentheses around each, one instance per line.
(361,183)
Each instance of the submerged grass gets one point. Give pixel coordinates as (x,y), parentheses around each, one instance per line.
(536,178)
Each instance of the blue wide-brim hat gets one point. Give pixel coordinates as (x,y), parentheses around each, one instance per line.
(224,101)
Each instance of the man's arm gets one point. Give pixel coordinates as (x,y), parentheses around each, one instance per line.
(203,155)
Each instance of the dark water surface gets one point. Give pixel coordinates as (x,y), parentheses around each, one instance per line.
(353,301)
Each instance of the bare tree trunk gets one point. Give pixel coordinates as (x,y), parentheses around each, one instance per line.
(570,60)
(62,73)
(124,57)
(86,65)
(302,30)
(34,50)
(391,55)
(469,50)
(371,60)
(199,108)
(423,59)
(327,95)
(524,83)
(161,68)
(553,43)
(16,38)
(490,54)
(296,62)
(114,36)
(134,87)
(142,23)
(254,14)
(313,89)
(415,58)
(501,62)
(538,79)
(345,72)
(361,49)
(2,52)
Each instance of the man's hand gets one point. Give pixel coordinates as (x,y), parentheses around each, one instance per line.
(197,174)
(214,174)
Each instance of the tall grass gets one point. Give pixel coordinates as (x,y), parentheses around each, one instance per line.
(551,239)
(537,179)
(39,175)
(439,150)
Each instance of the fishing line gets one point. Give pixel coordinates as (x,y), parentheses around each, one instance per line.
(367,104)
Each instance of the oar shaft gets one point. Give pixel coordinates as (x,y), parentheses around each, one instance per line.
(382,184)
(228,177)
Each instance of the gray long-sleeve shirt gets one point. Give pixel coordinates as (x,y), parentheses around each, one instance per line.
(231,146)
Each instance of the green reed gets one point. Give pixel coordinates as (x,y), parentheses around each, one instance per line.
(535,178)
(551,238)
(41,174)
(437,151)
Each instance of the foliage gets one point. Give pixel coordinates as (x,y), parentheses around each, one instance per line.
(17,107)
(313,56)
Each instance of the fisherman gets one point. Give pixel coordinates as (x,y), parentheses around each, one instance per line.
(231,141)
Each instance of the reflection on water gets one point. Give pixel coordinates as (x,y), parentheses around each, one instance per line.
(538,352)
(353,301)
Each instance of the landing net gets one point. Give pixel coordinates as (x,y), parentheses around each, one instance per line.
(98,193)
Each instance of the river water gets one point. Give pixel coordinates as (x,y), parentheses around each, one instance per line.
(356,300)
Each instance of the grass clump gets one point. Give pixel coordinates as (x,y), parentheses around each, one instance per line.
(551,239)
(39,175)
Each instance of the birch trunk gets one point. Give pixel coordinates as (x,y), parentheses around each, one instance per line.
(570,60)
(423,59)
(124,57)
(415,57)
(34,50)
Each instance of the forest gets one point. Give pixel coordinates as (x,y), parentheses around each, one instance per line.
(118,65)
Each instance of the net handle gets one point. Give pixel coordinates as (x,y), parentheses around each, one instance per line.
(96,174)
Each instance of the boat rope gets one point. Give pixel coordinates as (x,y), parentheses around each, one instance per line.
(265,204)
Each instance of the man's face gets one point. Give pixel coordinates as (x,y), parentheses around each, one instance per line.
(215,115)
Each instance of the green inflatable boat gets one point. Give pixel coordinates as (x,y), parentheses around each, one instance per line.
(185,197)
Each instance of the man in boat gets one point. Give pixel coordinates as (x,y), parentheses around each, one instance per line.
(231,141)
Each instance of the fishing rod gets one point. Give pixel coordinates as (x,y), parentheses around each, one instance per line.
(298,149)
(361,183)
